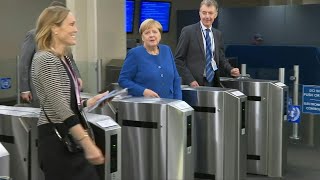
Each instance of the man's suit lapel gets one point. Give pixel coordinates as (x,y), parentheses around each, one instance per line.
(200,40)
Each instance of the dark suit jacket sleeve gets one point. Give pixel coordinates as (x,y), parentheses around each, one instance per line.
(181,55)
(223,63)
(27,51)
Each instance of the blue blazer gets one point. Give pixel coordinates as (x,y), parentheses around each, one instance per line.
(142,70)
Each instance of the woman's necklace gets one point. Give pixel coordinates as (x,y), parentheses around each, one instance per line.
(153,52)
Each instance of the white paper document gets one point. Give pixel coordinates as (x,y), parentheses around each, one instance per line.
(110,95)
(280,84)
(107,123)
(237,93)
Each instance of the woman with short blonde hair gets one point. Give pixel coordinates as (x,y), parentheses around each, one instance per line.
(149,70)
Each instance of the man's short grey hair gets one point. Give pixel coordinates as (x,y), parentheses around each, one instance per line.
(209,3)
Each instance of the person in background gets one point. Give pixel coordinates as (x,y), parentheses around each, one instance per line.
(27,92)
(58,90)
(257,39)
(200,50)
(149,70)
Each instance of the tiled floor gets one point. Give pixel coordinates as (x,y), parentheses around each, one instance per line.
(303,164)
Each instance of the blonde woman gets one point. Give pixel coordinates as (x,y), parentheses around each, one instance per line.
(59,93)
(149,70)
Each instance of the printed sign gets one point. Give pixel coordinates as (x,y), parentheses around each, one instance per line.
(294,114)
(5,83)
(311,99)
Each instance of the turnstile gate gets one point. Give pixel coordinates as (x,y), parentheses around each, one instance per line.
(18,128)
(267,124)
(4,161)
(107,135)
(220,132)
(18,132)
(156,138)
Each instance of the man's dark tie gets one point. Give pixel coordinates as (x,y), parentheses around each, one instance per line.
(209,54)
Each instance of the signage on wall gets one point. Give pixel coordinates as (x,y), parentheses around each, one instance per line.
(5,83)
(311,99)
(294,114)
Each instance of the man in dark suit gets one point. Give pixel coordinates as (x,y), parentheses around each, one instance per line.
(200,50)
(27,91)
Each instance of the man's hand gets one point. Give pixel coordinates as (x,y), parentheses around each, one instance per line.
(26,96)
(235,72)
(194,84)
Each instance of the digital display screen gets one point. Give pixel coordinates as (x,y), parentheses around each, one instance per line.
(159,11)
(189,130)
(129,15)
(113,153)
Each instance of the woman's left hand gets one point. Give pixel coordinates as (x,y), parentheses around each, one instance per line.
(150,93)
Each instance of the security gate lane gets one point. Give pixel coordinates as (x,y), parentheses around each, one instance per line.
(220,132)
(267,124)
(156,138)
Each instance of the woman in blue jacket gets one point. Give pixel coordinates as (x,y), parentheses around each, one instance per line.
(149,70)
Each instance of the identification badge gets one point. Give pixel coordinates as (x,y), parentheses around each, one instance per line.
(214,65)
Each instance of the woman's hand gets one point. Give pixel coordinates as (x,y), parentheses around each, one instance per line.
(150,93)
(92,153)
(92,101)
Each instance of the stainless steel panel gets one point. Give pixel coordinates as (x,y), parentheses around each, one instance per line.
(144,148)
(309,130)
(278,130)
(180,151)
(267,125)
(104,138)
(154,139)
(235,124)
(4,161)
(257,127)
(19,123)
(220,138)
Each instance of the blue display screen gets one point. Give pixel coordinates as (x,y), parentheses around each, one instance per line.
(129,15)
(156,10)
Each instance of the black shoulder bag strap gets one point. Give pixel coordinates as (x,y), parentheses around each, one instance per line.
(53,125)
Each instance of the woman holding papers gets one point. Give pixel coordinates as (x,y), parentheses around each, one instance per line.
(149,70)
(58,90)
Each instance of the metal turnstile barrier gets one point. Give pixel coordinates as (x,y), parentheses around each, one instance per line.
(156,138)
(19,136)
(4,161)
(220,132)
(267,124)
(107,135)
(18,132)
